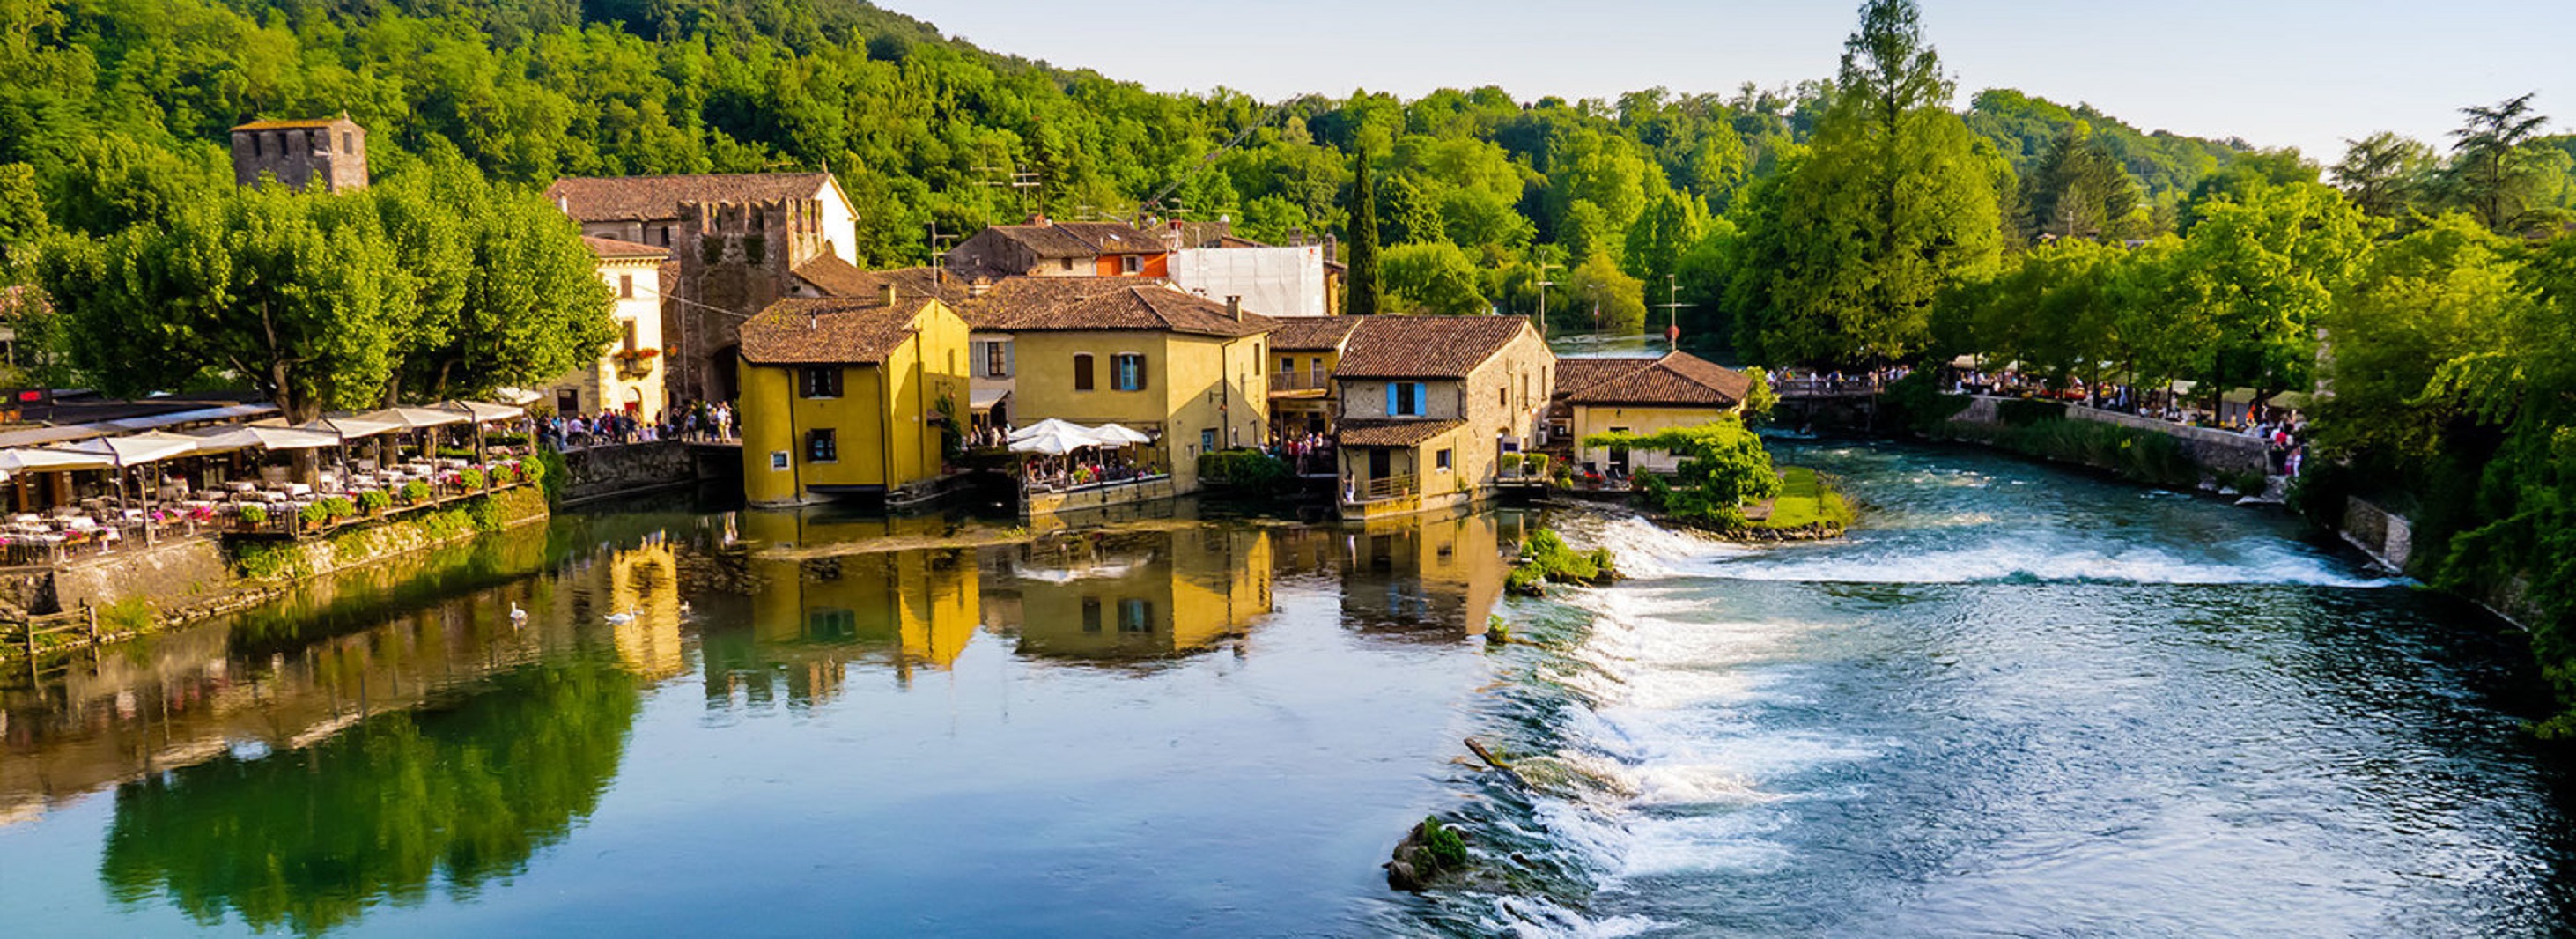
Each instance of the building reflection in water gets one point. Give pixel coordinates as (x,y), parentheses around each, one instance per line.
(1432,578)
(1127,596)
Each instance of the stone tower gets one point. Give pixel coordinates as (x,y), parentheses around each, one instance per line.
(735,258)
(333,150)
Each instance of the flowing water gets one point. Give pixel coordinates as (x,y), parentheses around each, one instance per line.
(2018,702)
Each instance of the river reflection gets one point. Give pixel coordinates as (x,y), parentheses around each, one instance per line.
(393,736)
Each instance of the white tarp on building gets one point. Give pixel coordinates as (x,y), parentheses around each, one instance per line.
(1285,281)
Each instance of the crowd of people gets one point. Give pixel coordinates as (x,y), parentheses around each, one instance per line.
(695,421)
(1305,453)
(2282,430)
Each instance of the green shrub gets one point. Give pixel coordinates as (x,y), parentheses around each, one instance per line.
(1546,557)
(1917,400)
(130,615)
(338,507)
(1250,470)
(415,492)
(472,478)
(254,514)
(1448,851)
(2025,412)
(260,561)
(1535,464)
(375,500)
(484,514)
(314,513)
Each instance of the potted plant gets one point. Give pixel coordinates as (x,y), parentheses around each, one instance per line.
(415,492)
(253,516)
(375,501)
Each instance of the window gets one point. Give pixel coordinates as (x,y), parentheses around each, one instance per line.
(1064,265)
(568,402)
(1135,615)
(1082,372)
(626,288)
(1503,397)
(1442,459)
(777,459)
(1287,364)
(1207,440)
(348,142)
(821,446)
(1127,371)
(822,381)
(1131,264)
(254,145)
(996,360)
(628,326)
(1404,399)
(1091,614)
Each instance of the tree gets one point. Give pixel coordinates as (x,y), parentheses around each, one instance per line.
(509,295)
(1407,215)
(1436,277)
(2490,169)
(2385,175)
(2079,190)
(2444,293)
(299,297)
(2261,273)
(1602,298)
(1667,230)
(1722,467)
(1362,281)
(1895,200)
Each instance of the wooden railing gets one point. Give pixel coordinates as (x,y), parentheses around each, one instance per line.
(25,635)
(1826,387)
(1301,381)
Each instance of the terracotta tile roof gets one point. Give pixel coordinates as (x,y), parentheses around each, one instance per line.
(1425,346)
(1052,240)
(1391,433)
(613,248)
(1114,237)
(619,198)
(1575,374)
(1069,304)
(838,278)
(1678,378)
(290,124)
(1313,333)
(832,330)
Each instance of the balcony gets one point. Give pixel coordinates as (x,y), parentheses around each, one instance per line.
(1307,384)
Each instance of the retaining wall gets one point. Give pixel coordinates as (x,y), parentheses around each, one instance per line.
(603,472)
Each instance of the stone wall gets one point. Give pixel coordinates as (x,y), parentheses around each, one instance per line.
(2214,451)
(603,472)
(167,574)
(2386,536)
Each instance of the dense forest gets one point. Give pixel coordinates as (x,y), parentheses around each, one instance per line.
(1475,189)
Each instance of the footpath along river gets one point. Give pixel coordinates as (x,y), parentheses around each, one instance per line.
(2018,702)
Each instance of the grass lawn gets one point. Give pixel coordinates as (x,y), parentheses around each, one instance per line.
(1805,500)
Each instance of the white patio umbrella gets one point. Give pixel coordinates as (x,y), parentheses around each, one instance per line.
(484,413)
(31,460)
(1119,435)
(1048,426)
(352,426)
(419,418)
(228,439)
(1054,441)
(151,446)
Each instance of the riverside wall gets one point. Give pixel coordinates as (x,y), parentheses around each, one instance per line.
(2217,453)
(604,472)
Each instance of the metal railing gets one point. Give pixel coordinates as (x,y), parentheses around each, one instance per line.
(1826,387)
(1301,381)
(1383,488)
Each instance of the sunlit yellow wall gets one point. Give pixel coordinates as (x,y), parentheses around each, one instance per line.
(1192,383)
(920,607)
(885,422)
(1201,586)
(645,581)
(1589,420)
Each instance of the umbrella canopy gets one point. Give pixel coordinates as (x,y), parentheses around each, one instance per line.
(482,413)
(1058,440)
(417,418)
(146,447)
(39,461)
(1048,426)
(227,439)
(518,396)
(1119,435)
(351,426)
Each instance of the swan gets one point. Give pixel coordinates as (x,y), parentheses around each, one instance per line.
(517,615)
(621,619)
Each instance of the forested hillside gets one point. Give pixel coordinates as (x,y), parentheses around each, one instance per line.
(1474,187)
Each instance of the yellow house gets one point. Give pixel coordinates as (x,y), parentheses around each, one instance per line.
(1304,351)
(1134,595)
(850,397)
(1643,396)
(1430,404)
(1184,369)
(810,618)
(628,375)
(1435,573)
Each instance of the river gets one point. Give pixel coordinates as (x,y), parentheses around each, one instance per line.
(2018,701)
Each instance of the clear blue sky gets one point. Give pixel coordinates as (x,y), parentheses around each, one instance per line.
(2305,73)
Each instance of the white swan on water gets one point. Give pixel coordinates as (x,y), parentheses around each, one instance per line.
(517,615)
(621,619)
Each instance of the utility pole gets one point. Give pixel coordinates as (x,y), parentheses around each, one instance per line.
(1673,313)
(1543,284)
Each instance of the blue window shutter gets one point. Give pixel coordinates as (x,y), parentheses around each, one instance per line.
(1391,388)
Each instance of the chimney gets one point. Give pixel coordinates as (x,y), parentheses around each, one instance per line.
(1234,308)
(979,287)
(891,297)
(1332,249)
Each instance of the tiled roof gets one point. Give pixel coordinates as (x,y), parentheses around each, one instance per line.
(613,248)
(1313,333)
(1067,304)
(1114,237)
(837,278)
(293,124)
(833,330)
(1425,346)
(1391,433)
(1574,374)
(1052,240)
(1678,378)
(619,198)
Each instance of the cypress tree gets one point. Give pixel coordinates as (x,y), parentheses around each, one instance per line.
(1363,287)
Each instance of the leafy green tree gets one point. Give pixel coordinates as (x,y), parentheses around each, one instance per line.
(299,297)
(2491,171)
(2385,175)
(509,296)
(1434,277)
(1601,298)
(1667,230)
(2079,190)
(1362,282)
(1407,215)
(1896,199)
(1722,467)
(2261,272)
(2445,293)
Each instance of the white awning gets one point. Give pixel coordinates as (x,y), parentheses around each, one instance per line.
(39,461)
(482,413)
(416,418)
(148,447)
(983,399)
(230,412)
(228,439)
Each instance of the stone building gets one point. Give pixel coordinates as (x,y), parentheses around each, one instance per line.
(628,374)
(1047,248)
(1429,404)
(295,153)
(738,243)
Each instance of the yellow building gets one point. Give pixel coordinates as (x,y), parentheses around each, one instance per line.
(1185,369)
(1304,351)
(1430,404)
(1435,574)
(811,618)
(1132,595)
(1642,396)
(628,375)
(849,397)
